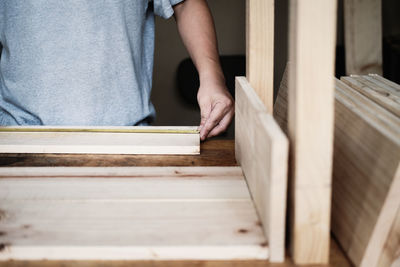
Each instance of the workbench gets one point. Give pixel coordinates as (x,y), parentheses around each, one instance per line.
(213,153)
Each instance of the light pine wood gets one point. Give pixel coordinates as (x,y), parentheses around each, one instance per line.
(366,176)
(128,213)
(312,35)
(381,95)
(262,151)
(363,36)
(260,48)
(390,255)
(170,140)
(389,83)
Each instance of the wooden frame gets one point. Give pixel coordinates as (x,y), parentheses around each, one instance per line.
(100,140)
(126,213)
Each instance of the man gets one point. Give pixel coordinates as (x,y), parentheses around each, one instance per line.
(90,62)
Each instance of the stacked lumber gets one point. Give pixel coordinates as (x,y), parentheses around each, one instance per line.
(366,167)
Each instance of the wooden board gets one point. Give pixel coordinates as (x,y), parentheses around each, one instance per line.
(101,140)
(390,255)
(366,176)
(363,36)
(281,102)
(260,48)
(312,35)
(262,151)
(128,213)
(384,96)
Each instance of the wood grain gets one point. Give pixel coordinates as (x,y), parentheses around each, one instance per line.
(312,35)
(213,153)
(128,213)
(85,142)
(366,176)
(363,36)
(262,152)
(260,48)
(381,95)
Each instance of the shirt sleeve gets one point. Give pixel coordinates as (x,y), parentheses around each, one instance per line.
(163,8)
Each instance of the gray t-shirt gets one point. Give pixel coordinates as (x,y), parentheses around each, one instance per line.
(77,62)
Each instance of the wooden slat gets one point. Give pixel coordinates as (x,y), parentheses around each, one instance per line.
(366,176)
(281,102)
(311,53)
(363,36)
(128,213)
(260,48)
(383,96)
(167,141)
(389,83)
(262,151)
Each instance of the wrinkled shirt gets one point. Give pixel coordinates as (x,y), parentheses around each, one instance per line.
(78,62)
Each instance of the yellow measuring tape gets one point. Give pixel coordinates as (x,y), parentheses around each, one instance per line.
(94,130)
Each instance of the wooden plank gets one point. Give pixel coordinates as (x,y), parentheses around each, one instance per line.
(312,35)
(380,95)
(262,151)
(390,255)
(363,36)
(379,78)
(127,213)
(116,140)
(379,81)
(260,48)
(366,176)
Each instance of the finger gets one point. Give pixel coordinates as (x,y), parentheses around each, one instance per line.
(217,113)
(205,111)
(222,126)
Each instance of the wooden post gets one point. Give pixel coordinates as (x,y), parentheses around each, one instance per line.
(260,48)
(363,36)
(311,105)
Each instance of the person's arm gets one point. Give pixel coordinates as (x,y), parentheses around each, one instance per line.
(196,27)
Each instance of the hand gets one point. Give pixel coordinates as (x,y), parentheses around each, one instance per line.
(216,108)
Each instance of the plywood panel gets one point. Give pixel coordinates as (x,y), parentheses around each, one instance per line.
(312,35)
(262,151)
(100,140)
(117,213)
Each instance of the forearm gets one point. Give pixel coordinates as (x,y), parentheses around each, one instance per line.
(197,31)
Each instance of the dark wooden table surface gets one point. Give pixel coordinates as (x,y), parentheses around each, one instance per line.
(213,153)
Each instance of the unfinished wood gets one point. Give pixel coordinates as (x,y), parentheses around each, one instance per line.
(363,36)
(311,54)
(128,213)
(389,83)
(117,140)
(281,104)
(262,151)
(379,81)
(380,95)
(390,255)
(366,175)
(260,48)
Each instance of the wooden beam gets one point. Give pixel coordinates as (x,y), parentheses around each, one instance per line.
(260,49)
(363,36)
(100,140)
(366,176)
(312,56)
(148,213)
(390,255)
(262,151)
